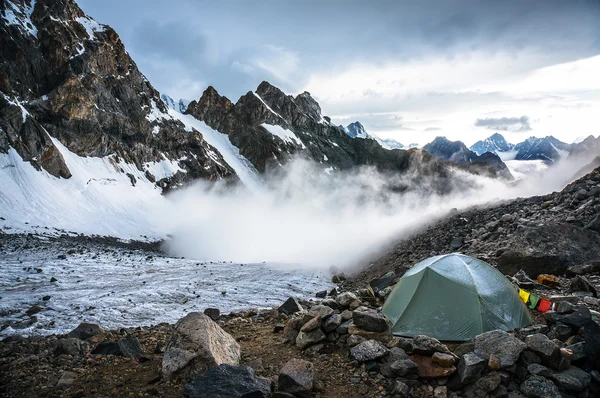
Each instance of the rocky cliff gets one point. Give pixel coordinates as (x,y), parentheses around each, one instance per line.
(65,76)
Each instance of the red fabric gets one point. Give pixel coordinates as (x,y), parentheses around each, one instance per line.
(544,305)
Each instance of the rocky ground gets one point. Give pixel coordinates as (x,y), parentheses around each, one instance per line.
(339,344)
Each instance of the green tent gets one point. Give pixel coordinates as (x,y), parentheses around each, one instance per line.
(454,297)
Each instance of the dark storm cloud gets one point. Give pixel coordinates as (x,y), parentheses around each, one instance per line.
(505,123)
(234,45)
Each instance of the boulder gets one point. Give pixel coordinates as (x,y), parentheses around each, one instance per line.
(591,333)
(540,370)
(428,345)
(383,282)
(483,386)
(213,313)
(85,330)
(306,339)
(583,269)
(594,224)
(332,323)
(129,347)
(297,378)
(539,387)
(322,311)
(321,294)
(501,344)
(291,329)
(403,367)
(576,319)
(547,350)
(313,324)
(470,367)
(197,344)
(400,389)
(572,379)
(370,320)
(581,284)
(354,340)
(445,360)
(71,346)
(347,300)
(290,307)
(427,369)
(384,337)
(227,381)
(369,350)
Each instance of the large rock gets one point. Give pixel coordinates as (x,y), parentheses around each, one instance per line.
(71,346)
(539,387)
(428,345)
(332,323)
(500,344)
(347,300)
(581,284)
(573,379)
(470,367)
(591,332)
(129,347)
(576,319)
(428,369)
(384,337)
(290,307)
(368,351)
(306,339)
(547,350)
(370,320)
(322,311)
(297,377)
(226,381)
(85,330)
(197,344)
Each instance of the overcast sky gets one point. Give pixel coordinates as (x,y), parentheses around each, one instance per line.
(408,70)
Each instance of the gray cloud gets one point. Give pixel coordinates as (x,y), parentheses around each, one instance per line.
(505,123)
(234,45)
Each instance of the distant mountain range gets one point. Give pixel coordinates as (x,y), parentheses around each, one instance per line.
(357,130)
(548,149)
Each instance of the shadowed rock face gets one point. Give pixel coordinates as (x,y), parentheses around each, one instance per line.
(64,75)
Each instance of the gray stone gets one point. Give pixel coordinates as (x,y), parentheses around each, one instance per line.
(347,300)
(539,387)
(226,381)
(71,346)
(540,370)
(213,313)
(426,345)
(290,307)
(573,379)
(400,389)
(332,323)
(322,311)
(581,284)
(470,367)
(369,350)
(501,344)
(313,324)
(66,379)
(297,377)
(129,347)
(578,350)
(198,343)
(354,340)
(343,328)
(403,367)
(445,360)
(547,350)
(370,320)
(306,339)
(85,330)
(576,319)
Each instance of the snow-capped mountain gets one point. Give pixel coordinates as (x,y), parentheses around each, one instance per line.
(457,152)
(548,149)
(357,130)
(179,106)
(495,143)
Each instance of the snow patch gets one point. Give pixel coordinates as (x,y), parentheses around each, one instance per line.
(285,134)
(268,107)
(90,25)
(21,18)
(230,153)
(165,168)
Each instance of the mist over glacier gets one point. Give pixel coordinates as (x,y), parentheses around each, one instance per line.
(303,216)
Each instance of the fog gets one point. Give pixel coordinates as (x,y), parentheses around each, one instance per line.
(305,216)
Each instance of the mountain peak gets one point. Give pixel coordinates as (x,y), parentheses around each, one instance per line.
(266,88)
(357,130)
